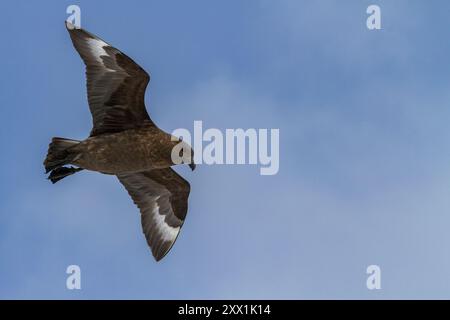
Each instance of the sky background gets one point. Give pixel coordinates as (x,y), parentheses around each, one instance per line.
(364,150)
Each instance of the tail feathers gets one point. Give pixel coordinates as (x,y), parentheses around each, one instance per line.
(59,153)
(62,172)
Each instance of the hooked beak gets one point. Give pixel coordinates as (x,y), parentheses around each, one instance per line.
(192,166)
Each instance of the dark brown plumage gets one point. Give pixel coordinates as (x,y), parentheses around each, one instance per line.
(125,142)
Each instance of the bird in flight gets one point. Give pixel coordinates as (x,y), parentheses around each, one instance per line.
(125,142)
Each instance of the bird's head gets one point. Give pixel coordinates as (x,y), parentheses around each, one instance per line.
(183,153)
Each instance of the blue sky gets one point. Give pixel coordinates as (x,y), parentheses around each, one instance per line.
(364,150)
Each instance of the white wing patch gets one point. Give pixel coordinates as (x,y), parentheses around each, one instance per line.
(97,49)
(168,233)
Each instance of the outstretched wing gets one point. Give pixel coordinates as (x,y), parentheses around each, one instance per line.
(162,197)
(115,84)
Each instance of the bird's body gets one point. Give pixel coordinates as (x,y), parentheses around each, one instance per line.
(133,150)
(125,142)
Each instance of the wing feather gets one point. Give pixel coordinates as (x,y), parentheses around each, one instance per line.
(162,197)
(115,84)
